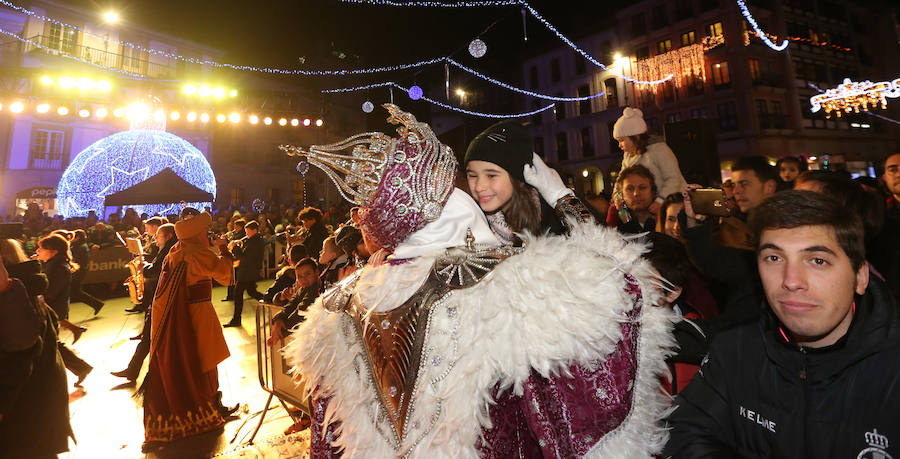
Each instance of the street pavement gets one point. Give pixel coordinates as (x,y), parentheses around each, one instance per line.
(108,421)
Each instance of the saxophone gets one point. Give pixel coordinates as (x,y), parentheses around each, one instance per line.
(135,282)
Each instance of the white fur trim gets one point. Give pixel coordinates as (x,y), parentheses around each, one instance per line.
(559,302)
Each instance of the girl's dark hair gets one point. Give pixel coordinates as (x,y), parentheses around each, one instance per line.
(641,141)
(307,262)
(801,164)
(523,211)
(674,198)
(61,245)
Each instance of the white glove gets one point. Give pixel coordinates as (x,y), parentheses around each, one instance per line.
(546,180)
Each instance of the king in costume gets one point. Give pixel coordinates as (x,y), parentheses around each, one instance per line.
(186,340)
(461,347)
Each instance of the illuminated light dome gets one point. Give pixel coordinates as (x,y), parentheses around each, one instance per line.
(192,116)
(319,123)
(175,116)
(84,113)
(267,120)
(85,84)
(125,159)
(306,122)
(283,121)
(295,122)
(66,82)
(118,113)
(190,89)
(46,80)
(220,118)
(204,91)
(234,117)
(104,85)
(101,113)
(43,108)
(233,93)
(219,92)
(16,107)
(254,119)
(62,111)
(204,117)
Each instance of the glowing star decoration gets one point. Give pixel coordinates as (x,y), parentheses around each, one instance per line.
(125,159)
(415,93)
(477,48)
(368,106)
(851,96)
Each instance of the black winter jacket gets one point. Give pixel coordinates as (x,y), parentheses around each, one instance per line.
(251,258)
(759,395)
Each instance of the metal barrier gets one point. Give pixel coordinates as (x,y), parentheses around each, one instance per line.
(274,376)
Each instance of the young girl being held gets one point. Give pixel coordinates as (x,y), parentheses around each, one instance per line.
(518,192)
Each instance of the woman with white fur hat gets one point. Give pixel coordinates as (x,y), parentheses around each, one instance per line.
(630,131)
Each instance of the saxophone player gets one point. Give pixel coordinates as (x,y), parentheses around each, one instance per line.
(249,252)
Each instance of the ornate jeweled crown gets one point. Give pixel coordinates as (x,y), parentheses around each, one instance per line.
(401,184)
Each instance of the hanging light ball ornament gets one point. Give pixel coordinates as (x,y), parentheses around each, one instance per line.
(415,93)
(303,167)
(368,106)
(477,48)
(258,205)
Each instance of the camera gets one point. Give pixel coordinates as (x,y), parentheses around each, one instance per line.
(711,201)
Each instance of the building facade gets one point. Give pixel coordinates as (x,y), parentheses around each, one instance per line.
(69,82)
(747,98)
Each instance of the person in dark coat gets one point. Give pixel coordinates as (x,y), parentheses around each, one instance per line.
(313,221)
(53,251)
(249,253)
(34,399)
(81,254)
(817,375)
(296,299)
(285,277)
(165,238)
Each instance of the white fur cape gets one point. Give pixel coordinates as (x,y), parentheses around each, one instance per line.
(560,302)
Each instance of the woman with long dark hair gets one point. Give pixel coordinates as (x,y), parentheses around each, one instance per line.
(81,255)
(53,251)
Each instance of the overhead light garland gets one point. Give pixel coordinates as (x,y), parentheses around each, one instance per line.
(391,84)
(187,115)
(520,90)
(69,56)
(683,63)
(759,32)
(808,41)
(851,96)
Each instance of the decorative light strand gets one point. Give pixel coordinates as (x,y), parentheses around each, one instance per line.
(531,10)
(851,96)
(212,63)
(759,32)
(485,115)
(520,90)
(437,4)
(813,86)
(69,56)
(391,84)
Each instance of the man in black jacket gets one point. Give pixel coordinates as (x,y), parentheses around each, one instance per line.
(249,254)
(164,239)
(818,375)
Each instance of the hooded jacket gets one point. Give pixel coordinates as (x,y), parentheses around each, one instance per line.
(759,395)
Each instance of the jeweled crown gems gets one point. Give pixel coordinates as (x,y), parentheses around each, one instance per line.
(401,183)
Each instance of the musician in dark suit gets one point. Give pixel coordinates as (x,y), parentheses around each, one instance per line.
(151,253)
(164,239)
(249,252)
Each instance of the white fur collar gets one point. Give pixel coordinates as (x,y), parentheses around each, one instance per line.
(559,302)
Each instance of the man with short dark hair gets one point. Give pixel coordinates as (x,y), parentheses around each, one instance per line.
(316,232)
(249,252)
(891,179)
(817,375)
(639,193)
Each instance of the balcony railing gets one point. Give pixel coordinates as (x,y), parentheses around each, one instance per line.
(103,57)
(44,163)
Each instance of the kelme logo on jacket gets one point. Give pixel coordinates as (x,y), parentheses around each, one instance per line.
(878,445)
(757,418)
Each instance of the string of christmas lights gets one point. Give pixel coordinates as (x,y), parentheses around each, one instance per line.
(520,90)
(392,84)
(437,4)
(532,11)
(69,56)
(759,32)
(813,86)
(853,96)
